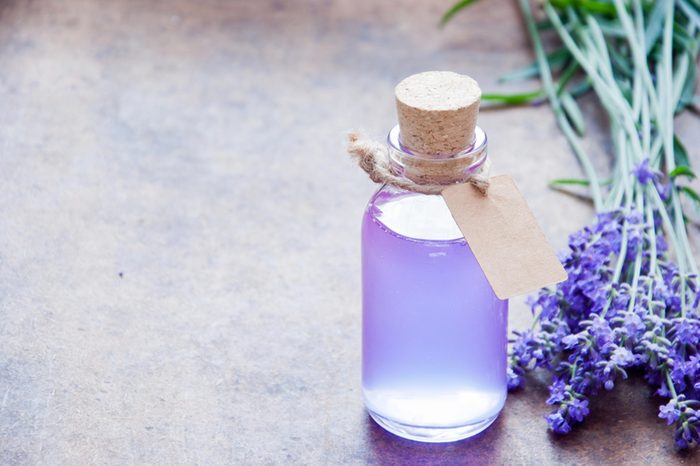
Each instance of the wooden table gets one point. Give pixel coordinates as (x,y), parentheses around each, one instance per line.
(179,232)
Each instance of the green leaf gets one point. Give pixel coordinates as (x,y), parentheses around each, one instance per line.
(682,170)
(680,154)
(690,11)
(690,192)
(580,88)
(575,181)
(517,98)
(573,112)
(556,60)
(611,28)
(569,181)
(544,25)
(681,38)
(453,10)
(566,76)
(686,97)
(589,6)
(621,62)
(654,25)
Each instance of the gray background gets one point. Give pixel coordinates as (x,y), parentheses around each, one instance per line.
(179,231)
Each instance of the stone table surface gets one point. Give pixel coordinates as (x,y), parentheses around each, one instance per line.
(179,232)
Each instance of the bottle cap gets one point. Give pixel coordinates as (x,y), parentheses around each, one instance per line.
(437,112)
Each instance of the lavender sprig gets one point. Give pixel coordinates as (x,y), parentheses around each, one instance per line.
(591,332)
(628,302)
(631,300)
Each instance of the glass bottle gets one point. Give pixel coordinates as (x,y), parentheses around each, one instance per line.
(434,332)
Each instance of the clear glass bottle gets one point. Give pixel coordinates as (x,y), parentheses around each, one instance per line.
(434,332)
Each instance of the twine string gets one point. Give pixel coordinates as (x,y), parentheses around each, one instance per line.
(373,157)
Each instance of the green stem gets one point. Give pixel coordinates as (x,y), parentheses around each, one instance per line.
(671,387)
(546,76)
(638,52)
(609,92)
(637,260)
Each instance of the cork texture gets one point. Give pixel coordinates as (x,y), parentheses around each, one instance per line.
(437,112)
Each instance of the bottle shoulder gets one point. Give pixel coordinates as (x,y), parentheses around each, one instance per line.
(413,215)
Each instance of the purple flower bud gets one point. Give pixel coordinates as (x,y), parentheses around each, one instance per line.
(621,357)
(633,324)
(670,412)
(664,189)
(578,409)
(663,391)
(570,341)
(643,172)
(558,424)
(687,332)
(557,392)
(591,328)
(514,380)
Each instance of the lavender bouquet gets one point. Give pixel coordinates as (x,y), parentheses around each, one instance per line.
(632,296)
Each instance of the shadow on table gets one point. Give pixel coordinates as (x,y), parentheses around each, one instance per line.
(388,449)
(623,428)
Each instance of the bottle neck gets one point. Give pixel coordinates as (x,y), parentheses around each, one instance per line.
(437,169)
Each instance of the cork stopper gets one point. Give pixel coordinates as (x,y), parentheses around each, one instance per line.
(437,112)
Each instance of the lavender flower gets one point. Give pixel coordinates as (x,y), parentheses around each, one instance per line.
(619,308)
(626,304)
(578,409)
(670,412)
(643,173)
(558,423)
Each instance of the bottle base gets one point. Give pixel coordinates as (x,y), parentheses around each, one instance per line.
(431,434)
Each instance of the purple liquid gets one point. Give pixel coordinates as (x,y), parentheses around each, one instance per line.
(434,333)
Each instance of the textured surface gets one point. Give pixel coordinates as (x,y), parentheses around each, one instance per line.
(179,238)
(437,112)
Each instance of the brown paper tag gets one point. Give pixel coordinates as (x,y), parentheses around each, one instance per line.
(504,236)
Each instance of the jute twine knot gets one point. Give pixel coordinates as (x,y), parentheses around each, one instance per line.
(373,157)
